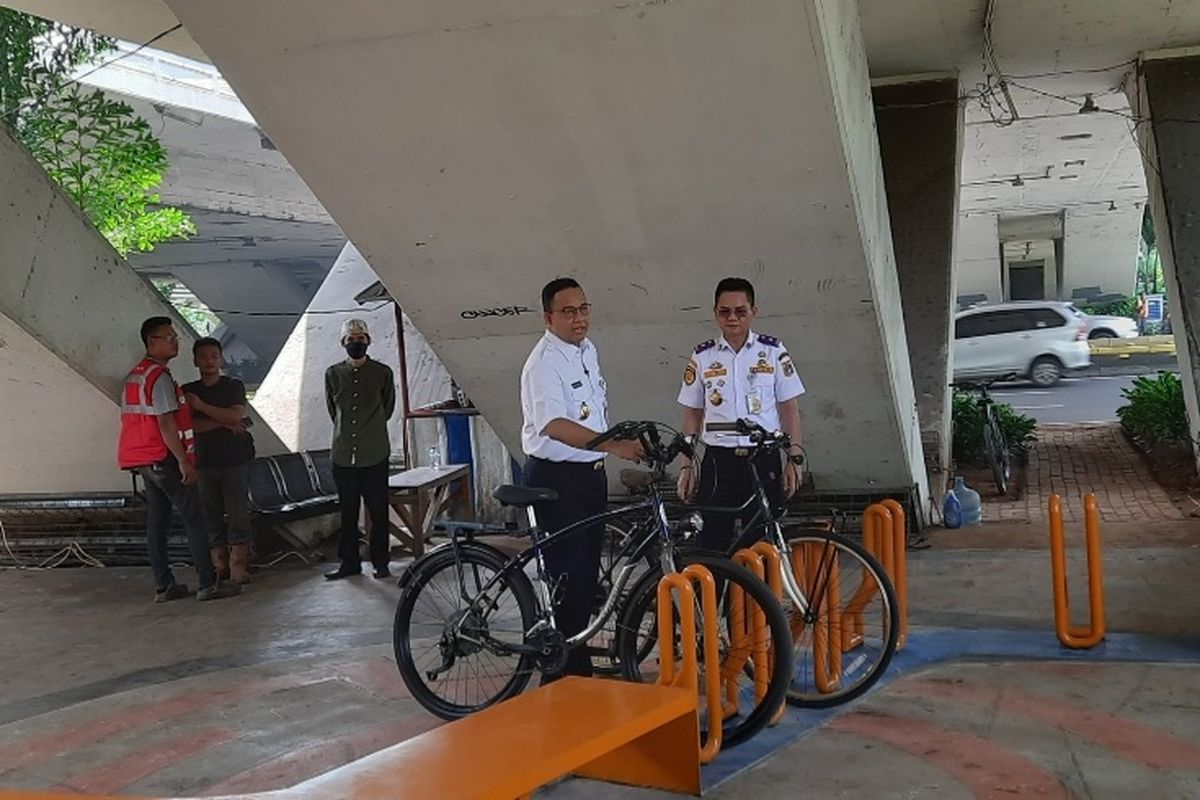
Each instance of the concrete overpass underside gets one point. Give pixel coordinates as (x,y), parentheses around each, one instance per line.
(650,149)
(644,149)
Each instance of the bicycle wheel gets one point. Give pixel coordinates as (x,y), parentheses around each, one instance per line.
(996,452)
(846,641)
(756,704)
(451,669)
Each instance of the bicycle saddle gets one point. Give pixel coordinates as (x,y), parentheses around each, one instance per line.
(522,496)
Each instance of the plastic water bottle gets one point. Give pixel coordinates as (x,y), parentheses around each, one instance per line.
(969,503)
(435,457)
(951,511)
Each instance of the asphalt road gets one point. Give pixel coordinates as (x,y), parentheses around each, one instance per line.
(1089,399)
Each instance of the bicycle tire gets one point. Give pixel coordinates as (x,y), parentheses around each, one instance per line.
(641,606)
(803,690)
(996,454)
(474,558)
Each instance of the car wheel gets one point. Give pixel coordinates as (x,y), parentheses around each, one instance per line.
(1102,333)
(1046,371)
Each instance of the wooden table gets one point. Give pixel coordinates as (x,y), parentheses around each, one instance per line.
(418,495)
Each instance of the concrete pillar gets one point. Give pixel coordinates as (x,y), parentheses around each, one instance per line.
(1165,99)
(1100,247)
(75,299)
(649,149)
(920,142)
(977,264)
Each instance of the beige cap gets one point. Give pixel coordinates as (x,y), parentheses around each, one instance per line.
(353,326)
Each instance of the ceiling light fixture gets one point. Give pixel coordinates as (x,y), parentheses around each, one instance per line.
(1072,137)
(1112,206)
(1089,105)
(1016,181)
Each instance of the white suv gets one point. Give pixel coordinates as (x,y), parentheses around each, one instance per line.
(1039,340)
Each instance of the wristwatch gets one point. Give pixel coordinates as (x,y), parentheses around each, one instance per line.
(796,458)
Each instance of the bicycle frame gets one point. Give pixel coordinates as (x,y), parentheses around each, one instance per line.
(629,556)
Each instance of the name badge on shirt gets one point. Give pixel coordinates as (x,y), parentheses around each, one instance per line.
(753,401)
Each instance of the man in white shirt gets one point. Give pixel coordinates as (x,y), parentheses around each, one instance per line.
(741,375)
(564,405)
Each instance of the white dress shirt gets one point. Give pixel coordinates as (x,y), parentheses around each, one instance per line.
(561,381)
(746,384)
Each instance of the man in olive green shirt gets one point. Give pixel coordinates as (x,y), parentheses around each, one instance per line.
(360,394)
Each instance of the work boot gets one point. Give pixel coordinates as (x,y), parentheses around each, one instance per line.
(239,563)
(218,591)
(220,559)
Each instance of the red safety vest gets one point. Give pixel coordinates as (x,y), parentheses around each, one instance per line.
(141,441)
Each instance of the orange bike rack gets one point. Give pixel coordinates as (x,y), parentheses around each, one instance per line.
(688,674)
(885,537)
(830,635)
(752,636)
(1076,636)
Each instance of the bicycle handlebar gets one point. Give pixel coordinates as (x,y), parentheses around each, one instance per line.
(657,453)
(760,436)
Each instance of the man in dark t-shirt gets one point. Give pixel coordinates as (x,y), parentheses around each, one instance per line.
(224,450)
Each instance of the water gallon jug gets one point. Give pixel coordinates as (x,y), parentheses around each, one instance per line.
(951,511)
(969,503)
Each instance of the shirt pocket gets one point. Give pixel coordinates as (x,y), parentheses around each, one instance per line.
(764,382)
(581,400)
(580,392)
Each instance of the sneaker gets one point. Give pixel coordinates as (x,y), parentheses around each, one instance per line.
(172,592)
(218,591)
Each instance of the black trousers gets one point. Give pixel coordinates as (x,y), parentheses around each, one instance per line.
(726,480)
(572,563)
(358,485)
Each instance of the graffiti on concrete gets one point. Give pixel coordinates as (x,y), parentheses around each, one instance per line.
(502,311)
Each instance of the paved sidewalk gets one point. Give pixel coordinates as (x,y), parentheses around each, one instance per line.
(1073,459)
(104,691)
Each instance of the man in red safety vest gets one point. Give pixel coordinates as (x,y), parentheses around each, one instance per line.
(158,444)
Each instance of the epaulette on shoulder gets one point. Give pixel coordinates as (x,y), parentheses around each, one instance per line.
(700,348)
(769,341)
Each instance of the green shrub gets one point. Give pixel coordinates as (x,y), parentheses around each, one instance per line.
(1118,308)
(1019,430)
(1156,415)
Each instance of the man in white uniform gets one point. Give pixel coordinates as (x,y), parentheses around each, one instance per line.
(564,405)
(741,375)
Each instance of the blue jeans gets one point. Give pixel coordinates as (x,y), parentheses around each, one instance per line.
(164,491)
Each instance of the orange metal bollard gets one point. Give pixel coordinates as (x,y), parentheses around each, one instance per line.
(687,675)
(1075,636)
(899,573)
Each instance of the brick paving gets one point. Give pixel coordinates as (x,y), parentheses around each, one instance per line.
(1073,459)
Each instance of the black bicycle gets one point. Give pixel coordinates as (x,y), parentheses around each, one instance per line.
(471,627)
(840,604)
(996,451)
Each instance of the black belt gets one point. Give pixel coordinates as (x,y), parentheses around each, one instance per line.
(739,452)
(596,465)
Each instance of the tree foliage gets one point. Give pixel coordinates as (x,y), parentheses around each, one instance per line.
(102,154)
